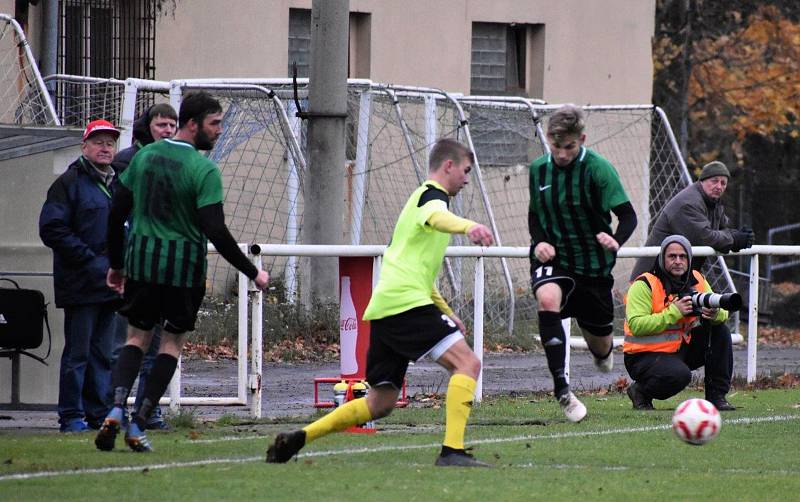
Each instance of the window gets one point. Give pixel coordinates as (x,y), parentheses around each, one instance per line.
(502,56)
(507,60)
(358,64)
(107,38)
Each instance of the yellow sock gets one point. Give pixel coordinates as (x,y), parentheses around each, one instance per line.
(458,404)
(350,413)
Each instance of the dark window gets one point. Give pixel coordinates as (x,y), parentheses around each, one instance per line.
(358,62)
(107,38)
(498,59)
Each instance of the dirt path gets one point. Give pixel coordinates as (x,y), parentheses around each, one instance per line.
(288,389)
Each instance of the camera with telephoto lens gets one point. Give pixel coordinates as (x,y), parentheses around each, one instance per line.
(729,301)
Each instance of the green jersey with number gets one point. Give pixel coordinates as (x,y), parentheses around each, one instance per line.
(170,180)
(413,258)
(572,205)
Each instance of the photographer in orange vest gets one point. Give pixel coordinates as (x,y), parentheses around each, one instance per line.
(668,334)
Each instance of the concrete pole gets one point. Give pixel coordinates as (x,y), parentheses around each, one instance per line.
(326,142)
(49,53)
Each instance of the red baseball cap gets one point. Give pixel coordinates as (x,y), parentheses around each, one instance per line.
(97,126)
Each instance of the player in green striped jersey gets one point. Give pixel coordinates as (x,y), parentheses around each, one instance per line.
(573,191)
(175,195)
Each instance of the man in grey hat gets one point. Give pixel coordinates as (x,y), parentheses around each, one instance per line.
(666,338)
(697,213)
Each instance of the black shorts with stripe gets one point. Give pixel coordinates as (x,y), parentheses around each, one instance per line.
(146,304)
(587,299)
(400,338)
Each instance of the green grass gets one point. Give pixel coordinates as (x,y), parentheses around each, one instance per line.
(615,453)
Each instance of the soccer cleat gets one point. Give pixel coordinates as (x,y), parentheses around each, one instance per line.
(722,404)
(573,409)
(108,431)
(638,398)
(286,446)
(459,458)
(136,439)
(605,365)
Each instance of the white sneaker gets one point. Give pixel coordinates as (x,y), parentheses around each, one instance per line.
(605,365)
(573,409)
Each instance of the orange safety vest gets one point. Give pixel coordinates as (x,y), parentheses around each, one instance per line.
(668,340)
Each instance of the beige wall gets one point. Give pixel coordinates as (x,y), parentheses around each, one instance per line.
(594,51)
(22,193)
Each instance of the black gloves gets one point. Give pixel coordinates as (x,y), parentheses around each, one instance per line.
(742,239)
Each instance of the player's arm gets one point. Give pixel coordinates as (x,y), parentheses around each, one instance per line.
(541,250)
(440,302)
(627,221)
(212,224)
(121,205)
(639,311)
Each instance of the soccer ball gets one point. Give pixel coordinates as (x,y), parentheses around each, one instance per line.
(696,421)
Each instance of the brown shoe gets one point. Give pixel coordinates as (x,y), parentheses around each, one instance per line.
(286,446)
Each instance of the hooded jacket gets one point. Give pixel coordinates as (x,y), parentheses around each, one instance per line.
(652,322)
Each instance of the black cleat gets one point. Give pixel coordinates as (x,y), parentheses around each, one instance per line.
(286,446)
(722,404)
(459,458)
(639,400)
(107,435)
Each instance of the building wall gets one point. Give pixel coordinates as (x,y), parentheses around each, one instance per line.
(22,193)
(593,52)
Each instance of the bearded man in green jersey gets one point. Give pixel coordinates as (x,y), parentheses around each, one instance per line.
(573,191)
(174,195)
(410,319)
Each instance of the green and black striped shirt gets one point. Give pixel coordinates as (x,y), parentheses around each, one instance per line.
(169,181)
(572,205)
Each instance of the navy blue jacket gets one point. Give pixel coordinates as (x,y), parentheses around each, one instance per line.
(73,223)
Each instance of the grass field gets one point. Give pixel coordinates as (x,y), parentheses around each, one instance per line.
(615,453)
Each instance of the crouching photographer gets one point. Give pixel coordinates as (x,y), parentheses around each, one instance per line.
(671,328)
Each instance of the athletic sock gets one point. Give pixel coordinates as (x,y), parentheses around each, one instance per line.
(458,404)
(554,342)
(157,382)
(124,373)
(350,413)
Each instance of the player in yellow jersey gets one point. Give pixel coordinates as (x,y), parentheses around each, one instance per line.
(410,319)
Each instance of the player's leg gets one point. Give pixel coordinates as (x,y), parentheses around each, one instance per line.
(386,370)
(594,309)
(464,368)
(122,377)
(552,288)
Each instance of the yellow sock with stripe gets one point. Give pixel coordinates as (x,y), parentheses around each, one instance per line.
(458,404)
(350,413)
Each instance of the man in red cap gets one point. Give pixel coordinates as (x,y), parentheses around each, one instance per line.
(73,224)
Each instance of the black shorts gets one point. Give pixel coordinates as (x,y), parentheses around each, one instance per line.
(587,299)
(407,336)
(146,305)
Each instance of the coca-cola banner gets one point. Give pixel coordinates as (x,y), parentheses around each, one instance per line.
(355,279)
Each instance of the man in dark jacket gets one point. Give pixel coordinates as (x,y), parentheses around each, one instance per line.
(158,122)
(73,224)
(697,213)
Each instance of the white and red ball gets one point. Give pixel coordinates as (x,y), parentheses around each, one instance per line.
(696,421)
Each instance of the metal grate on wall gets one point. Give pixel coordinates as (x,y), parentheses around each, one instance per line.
(107,38)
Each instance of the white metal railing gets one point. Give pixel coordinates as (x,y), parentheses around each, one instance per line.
(480,253)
